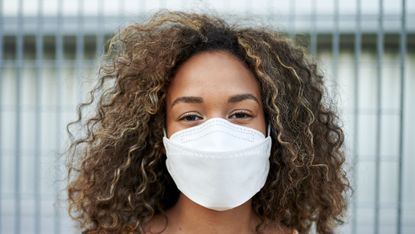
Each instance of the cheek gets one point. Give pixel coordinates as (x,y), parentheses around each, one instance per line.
(172,128)
(170,124)
(260,123)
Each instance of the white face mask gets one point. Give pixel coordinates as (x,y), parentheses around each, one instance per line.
(218,164)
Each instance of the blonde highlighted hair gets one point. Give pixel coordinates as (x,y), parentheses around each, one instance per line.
(117,176)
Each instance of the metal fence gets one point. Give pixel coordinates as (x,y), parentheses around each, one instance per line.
(48,60)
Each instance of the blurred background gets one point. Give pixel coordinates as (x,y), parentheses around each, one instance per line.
(49,53)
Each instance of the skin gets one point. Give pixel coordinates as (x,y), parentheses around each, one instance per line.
(213,84)
(209,85)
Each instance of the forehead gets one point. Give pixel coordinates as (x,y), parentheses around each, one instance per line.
(213,73)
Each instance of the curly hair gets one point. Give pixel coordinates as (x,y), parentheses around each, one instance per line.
(117,178)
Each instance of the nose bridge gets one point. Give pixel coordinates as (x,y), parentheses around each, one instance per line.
(216,106)
(217,112)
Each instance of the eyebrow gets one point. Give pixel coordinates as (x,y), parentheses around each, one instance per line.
(232,99)
(242,97)
(187,99)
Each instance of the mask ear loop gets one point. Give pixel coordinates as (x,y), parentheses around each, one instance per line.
(269,130)
(164,133)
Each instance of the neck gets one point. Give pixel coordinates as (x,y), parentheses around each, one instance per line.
(190,217)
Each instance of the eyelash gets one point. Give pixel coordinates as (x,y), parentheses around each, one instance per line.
(190,117)
(190,114)
(239,112)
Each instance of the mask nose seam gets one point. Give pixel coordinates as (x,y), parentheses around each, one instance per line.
(233,130)
(249,132)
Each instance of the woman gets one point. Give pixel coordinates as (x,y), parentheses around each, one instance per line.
(204,127)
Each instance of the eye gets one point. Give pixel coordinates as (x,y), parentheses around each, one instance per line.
(189,117)
(240,115)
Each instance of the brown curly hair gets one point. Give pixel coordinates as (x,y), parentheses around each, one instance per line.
(117,178)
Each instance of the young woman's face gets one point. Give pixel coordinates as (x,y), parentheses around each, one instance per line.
(213,84)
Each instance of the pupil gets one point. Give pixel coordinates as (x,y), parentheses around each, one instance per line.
(191,117)
(240,115)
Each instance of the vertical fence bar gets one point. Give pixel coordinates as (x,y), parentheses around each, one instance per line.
(100,32)
(38,122)
(19,68)
(58,65)
(379,62)
(402,54)
(270,11)
(357,54)
(121,13)
(292,19)
(1,111)
(335,45)
(17,154)
(79,57)
(313,34)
